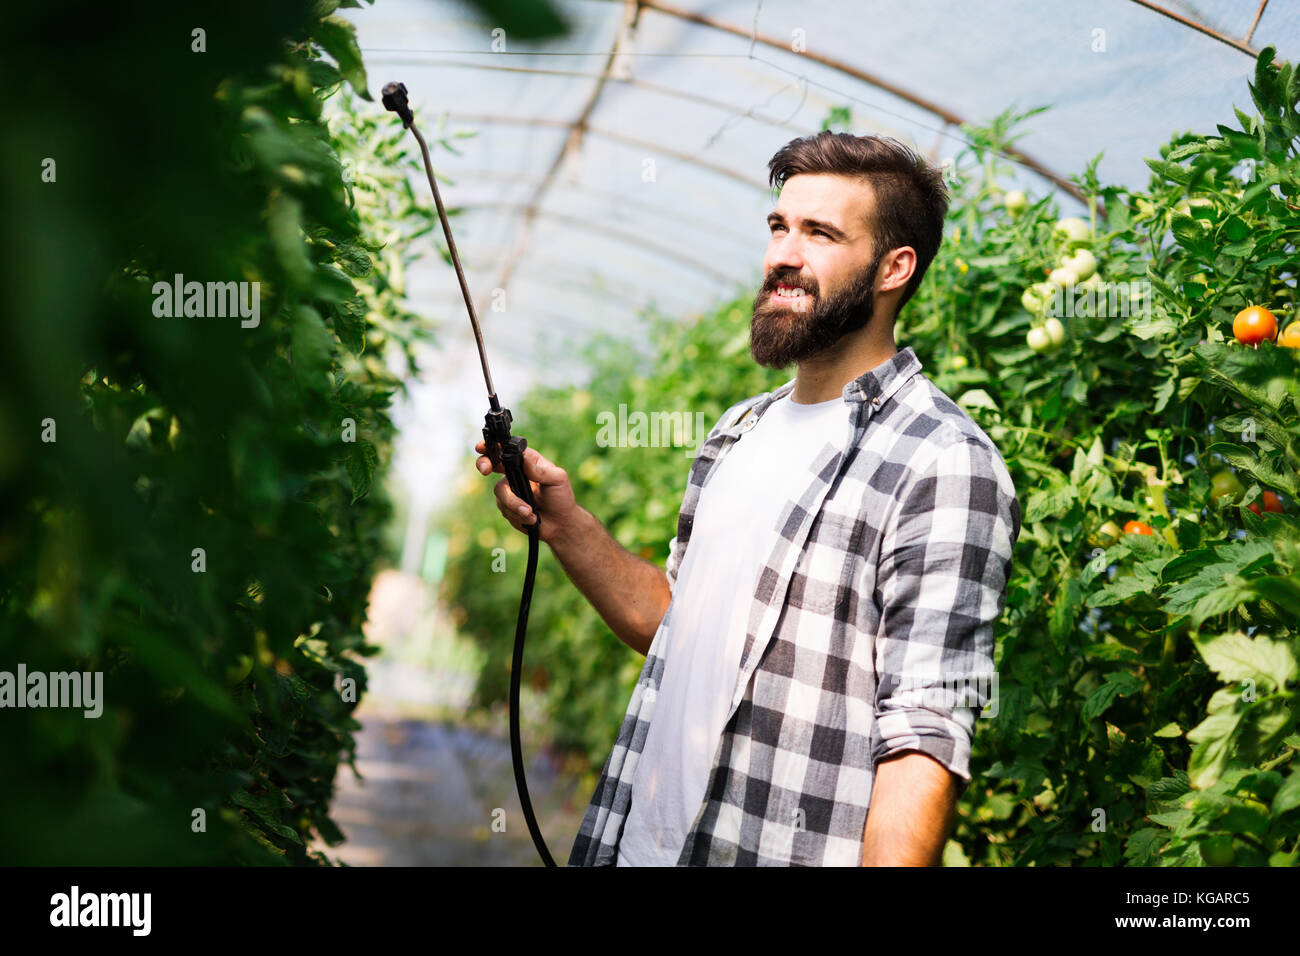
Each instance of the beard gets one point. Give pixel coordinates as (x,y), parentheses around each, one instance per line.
(784,331)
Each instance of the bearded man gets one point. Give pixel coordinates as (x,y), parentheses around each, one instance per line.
(820,642)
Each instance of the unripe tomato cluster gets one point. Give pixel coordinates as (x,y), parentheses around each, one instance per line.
(1078,267)
(1049,335)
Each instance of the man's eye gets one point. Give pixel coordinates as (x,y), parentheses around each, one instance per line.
(819,232)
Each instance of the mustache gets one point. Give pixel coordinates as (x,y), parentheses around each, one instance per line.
(791,279)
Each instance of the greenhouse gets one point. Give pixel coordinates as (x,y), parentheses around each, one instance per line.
(960,341)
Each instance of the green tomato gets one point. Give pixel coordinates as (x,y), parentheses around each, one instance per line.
(1225,484)
(1073,229)
(1064,277)
(1093,282)
(1217,850)
(1015,202)
(1038,295)
(956,363)
(1055,332)
(1106,535)
(1038,339)
(1083,262)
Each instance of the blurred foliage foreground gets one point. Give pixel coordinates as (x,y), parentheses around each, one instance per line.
(190,510)
(1147,680)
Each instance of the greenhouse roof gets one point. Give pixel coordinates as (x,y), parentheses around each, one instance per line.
(624,165)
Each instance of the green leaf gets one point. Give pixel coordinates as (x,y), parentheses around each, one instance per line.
(1171,818)
(1167,789)
(313,348)
(1263,90)
(1269,470)
(331,284)
(1236,657)
(355,259)
(1117,684)
(284,229)
(1288,795)
(1282,591)
(350,323)
(1065,610)
(1049,503)
(361,468)
(1171,171)
(1118,591)
(265,802)
(1142,846)
(977,398)
(339,39)
(1187,149)
(1212,738)
(281,830)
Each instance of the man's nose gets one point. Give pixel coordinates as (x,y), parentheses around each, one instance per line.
(785,254)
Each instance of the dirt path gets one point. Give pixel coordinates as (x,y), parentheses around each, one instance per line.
(436,793)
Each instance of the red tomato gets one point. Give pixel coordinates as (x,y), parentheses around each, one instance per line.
(1138,527)
(1254,324)
(1271,503)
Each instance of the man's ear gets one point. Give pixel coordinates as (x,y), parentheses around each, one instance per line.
(899,265)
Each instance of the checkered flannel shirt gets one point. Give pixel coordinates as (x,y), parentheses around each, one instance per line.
(879,596)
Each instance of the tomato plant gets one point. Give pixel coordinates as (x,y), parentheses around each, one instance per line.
(203,529)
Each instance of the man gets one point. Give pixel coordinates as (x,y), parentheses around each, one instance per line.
(825,643)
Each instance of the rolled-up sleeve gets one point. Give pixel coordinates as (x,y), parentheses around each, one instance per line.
(941,584)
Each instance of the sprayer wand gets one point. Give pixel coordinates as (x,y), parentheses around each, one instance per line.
(504,450)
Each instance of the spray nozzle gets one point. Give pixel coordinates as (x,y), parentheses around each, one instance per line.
(393,96)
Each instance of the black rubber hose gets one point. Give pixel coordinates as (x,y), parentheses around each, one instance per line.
(516,675)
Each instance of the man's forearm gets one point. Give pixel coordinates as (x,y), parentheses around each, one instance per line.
(630,593)
(913,805)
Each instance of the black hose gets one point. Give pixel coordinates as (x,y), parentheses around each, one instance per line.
(516,675)
(504,450)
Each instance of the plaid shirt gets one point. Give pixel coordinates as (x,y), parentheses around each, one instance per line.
(878,597)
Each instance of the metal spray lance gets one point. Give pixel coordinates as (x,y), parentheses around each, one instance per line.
(505,451)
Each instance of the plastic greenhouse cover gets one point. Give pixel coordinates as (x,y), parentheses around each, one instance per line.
(658,197)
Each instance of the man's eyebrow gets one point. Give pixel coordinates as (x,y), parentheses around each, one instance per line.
(833,231)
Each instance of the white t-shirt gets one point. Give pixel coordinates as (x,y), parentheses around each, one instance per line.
(734,532)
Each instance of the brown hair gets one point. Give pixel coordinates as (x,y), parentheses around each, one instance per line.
(911,197)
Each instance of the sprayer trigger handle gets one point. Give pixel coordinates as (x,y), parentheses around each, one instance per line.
(512,459)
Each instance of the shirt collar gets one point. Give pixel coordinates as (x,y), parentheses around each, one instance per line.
(877,385)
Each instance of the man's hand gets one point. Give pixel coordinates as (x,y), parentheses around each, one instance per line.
(551,491)
(627,591)
(913,807)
